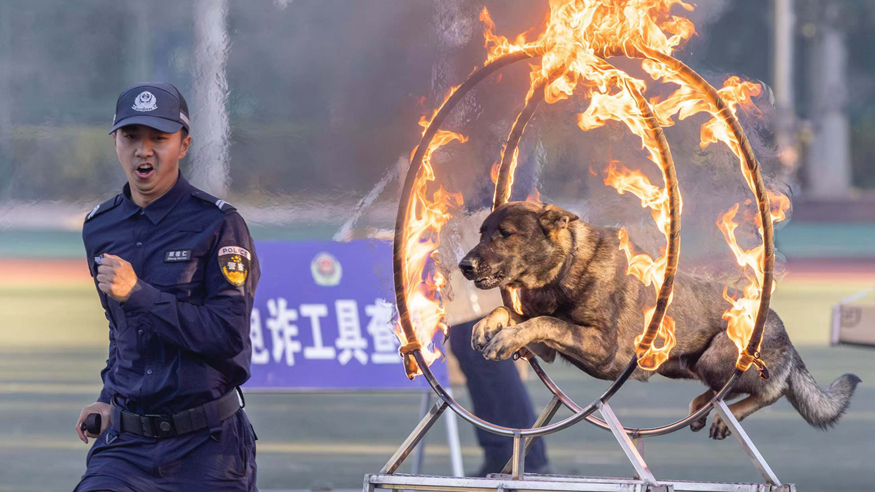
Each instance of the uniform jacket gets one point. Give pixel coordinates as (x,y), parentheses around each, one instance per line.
(182,338)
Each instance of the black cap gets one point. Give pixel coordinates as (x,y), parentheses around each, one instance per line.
(155,104)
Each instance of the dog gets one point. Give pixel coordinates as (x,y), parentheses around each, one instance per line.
(578,302)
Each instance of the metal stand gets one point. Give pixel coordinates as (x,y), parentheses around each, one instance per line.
(513,477)
(632,453)
(419,453)
(546,416)
(755,457)
(416,440)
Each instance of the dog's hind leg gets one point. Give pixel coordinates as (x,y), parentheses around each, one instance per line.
(740,409)
(697,403)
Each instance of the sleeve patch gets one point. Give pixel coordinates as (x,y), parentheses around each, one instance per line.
(235,263)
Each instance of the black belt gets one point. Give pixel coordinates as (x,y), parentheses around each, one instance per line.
(193,419)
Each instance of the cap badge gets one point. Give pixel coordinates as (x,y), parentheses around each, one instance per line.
(145,102)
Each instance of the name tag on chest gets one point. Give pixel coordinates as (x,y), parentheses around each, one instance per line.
(177,255)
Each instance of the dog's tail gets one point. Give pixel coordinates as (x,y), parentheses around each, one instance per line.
(820,408)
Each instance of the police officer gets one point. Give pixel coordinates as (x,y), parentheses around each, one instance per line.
(176,271)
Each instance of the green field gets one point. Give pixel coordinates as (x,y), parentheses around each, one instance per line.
(53,340)
(309,440)
(57,317)
(54,344)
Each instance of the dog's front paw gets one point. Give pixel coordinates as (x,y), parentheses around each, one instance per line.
(698,425)
(486,329)
(504,344)
(719,430)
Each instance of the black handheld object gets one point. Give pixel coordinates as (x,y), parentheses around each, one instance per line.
(92,424)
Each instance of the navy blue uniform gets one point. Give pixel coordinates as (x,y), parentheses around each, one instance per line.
(180,340)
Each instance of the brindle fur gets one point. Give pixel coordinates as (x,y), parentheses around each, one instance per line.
(579,302)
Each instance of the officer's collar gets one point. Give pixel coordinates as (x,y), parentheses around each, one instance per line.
(158,209)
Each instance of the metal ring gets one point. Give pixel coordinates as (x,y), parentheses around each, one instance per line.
(502,183)
(401,221)
(637,432)
(502,193)
(759,190)
(581,412)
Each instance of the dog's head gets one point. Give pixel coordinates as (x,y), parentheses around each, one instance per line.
(520,244)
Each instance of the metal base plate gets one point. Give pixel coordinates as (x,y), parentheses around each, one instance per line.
(554,483)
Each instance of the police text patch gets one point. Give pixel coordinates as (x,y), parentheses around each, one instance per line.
(234,262)
(178,255)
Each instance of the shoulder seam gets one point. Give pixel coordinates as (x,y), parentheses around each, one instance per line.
(103,207)
(218,202)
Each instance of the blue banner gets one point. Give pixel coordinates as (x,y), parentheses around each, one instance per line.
(322,319)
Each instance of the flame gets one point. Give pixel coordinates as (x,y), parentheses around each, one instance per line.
(743,310)
(655,356)
(572,44)
(513,164)
(643,266)
(424,281)
(780,204)
(500,45)
(535,197)
(577,36)
(515,297)
(686,101)
(493,173)
(576,29)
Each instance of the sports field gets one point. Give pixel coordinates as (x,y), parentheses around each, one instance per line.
(53,344)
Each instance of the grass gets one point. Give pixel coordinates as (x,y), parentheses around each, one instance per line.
(332,440)
(53,345)
(47,316)
(806,307)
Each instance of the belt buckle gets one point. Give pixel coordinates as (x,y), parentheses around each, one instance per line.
(158,426)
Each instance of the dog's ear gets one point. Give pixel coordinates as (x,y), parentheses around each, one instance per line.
(553,218)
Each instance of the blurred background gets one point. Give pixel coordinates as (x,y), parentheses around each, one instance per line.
(304,114)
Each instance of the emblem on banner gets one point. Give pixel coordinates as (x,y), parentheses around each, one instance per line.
(326,270)
(234,262)
(146,101)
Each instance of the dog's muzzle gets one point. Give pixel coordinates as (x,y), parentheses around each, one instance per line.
(473,269)
(469,267)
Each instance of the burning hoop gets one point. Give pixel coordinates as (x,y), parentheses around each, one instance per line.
(635,34)
(414,361)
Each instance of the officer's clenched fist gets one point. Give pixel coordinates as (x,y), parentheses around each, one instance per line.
(116,277)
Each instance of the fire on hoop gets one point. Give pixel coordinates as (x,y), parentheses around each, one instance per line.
(577,37)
